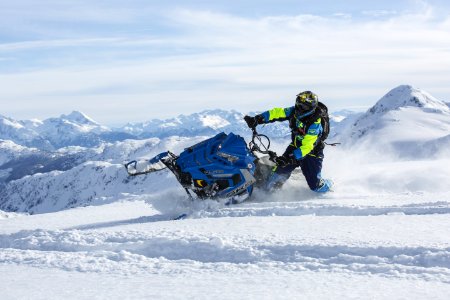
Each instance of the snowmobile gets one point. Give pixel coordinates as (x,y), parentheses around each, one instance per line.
(221,167)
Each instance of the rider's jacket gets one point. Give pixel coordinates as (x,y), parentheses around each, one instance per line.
(304,138)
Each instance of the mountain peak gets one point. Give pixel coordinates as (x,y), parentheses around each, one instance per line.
(407,95)
(79,117)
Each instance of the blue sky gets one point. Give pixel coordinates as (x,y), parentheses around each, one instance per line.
(120,61)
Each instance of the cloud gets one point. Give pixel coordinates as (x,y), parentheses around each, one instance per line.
(58,43)
(205,59)
(379,13)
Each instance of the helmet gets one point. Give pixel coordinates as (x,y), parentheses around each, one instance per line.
(306,102)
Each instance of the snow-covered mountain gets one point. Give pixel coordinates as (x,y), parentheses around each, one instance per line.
(96,174)
(406,120)
(21,133)
(10,150)
(88,183)
(77,129)
(74,129)
(408,96)
(78,139)
(205,123)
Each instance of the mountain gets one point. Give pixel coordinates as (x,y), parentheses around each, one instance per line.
(10,150)
(29,163)
(59,178)
(205,123)
(18,159)
(405,120)
(21,134)
(341,115)
(74,129)
(408,96)
(85,184)
(77,129)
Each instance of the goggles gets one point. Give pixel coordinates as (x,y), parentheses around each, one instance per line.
(306,101)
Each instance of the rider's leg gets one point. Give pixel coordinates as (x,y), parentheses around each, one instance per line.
(311,167)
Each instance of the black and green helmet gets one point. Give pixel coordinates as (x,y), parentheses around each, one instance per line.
(306,101)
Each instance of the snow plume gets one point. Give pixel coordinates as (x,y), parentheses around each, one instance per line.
(365,171)
(400,145)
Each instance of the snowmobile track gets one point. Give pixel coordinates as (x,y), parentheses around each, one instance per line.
(115,252)
(299,209)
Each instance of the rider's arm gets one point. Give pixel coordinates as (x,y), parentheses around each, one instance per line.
(306,143)
(277,114)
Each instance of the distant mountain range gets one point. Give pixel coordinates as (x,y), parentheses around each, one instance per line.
(77,129)
(72,160)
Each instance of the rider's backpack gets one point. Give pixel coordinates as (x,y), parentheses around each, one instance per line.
(325,120)
(322,113)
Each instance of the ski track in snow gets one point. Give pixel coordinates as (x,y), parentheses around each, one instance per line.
(95,248)
(296,209)
(136,252)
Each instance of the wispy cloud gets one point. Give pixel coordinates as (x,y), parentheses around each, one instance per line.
(204,59)
(379,13)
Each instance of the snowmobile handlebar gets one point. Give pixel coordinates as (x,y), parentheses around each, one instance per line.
(261,143)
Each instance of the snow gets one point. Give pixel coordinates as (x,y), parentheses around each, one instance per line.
(11,123)
(214,122)
(406,123)
(10,150)
(405,96)
(7,215)
(373,237)
(79,117)
(383,233)
(230,252)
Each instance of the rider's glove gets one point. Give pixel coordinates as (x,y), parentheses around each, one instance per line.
(252,122)
(283,161)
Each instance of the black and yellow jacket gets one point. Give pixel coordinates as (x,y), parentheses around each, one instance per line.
(306,129)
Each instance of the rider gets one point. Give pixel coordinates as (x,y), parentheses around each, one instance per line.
(308,134)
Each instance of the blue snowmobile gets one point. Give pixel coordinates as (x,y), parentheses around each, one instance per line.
(221,167)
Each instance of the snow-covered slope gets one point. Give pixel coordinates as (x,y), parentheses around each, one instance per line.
(10,150)
(89,183)
(381,234)
(102,179)
(406,120)
(19,133)
(391,247)
(408,96)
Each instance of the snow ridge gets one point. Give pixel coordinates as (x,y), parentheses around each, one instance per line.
(406,96)
(402,123)
(141,249)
